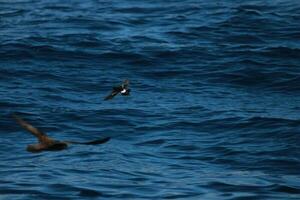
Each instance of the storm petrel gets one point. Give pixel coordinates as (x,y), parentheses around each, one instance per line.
(122,89)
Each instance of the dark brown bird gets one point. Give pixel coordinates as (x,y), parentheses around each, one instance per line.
(123,89)
(48,144)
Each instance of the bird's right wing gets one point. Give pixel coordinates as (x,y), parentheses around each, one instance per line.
(125,84)
(94,142)
(42,137)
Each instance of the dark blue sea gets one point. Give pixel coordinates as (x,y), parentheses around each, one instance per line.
(214,109)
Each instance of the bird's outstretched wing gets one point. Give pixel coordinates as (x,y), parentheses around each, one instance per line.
(42,137)
(112,95)
(94,142)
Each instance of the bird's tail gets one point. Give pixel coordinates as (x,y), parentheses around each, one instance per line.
(94,142)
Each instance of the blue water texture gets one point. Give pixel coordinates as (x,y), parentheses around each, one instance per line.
(213,112)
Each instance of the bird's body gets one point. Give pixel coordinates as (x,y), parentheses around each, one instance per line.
(56,146)
(122,89)
(48,144)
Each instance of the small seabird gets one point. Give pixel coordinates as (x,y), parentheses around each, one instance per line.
(49,144)
(123,89)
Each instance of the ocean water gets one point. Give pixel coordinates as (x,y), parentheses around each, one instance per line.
(213,112)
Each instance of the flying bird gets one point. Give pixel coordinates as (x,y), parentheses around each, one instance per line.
(122,89)
(49,144)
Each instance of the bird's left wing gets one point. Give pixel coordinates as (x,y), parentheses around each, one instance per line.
(42,137)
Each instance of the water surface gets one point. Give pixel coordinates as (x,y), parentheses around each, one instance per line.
(214,109)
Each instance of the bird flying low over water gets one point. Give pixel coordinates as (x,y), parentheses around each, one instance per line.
(122,89)
(49,144)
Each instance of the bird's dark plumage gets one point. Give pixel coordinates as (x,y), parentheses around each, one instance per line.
(48,144)
(122,89)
